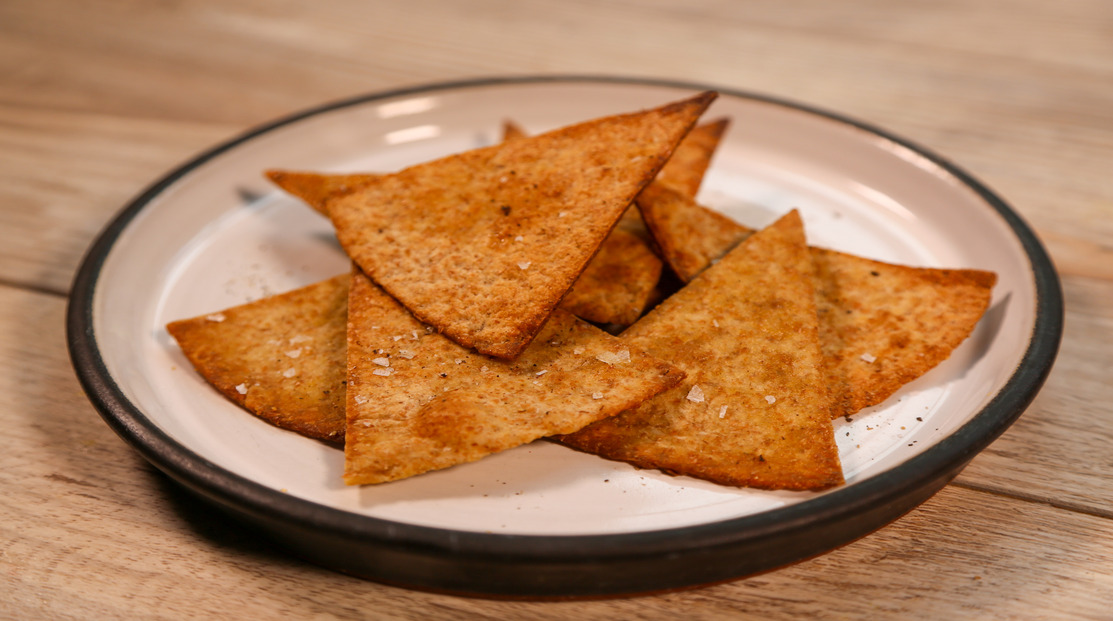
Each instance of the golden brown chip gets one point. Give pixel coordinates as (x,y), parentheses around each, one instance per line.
(419,402)
(685,170)
(484,244)
(622,280)
(688,235)
(616,286)
(884,325)
(511,130)
(753,408)
(316,188)
(881,325)
(281,358)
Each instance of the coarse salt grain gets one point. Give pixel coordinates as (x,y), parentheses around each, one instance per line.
(360,399)
(596,395)
(519,238)
(301,338)
(715,322)
(614,357)
(290,372)
(483,369)
(578,350)
(524,265)
(868,357)
(459,361)
(562,214)
(405,353)
(217,317)
(695,395)
(397,338)
(294,353)
(542,372)
(382,372)
(242,389)
(723,412)
(382,362)
(770,399)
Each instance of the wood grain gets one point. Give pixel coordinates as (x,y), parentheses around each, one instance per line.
(99,99)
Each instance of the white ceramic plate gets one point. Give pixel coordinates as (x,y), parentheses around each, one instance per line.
(215,233)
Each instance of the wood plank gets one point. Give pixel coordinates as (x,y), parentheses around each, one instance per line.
(66,174)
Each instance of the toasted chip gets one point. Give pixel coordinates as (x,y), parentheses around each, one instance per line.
(685,170)
(881,325)
(417,401)
(688,235)
(621,281)
(315,188)
(616,286)
(484,244)
(753,408)
(511,131)
(281,358)
(884,325)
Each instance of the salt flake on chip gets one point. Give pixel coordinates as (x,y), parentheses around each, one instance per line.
(695,395)
(614,357)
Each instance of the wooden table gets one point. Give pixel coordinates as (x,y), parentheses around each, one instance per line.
(98,99)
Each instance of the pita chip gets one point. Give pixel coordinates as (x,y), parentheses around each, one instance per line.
(484,244)
(685,170)
(620,281)
(752,410)
(316,188)
(512,131)
(884,325)
(417,401)
(282,358)
(881,325)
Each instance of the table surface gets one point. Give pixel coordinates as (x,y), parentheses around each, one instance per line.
(99,99)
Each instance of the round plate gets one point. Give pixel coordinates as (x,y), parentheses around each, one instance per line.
(541,520)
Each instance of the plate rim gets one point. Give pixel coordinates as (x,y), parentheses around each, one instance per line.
(933,467)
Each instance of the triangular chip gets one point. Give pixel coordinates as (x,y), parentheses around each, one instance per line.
(685,170)
(419,402)
(688,235)
(484,244)
(881,325)
(511,131)
(753,408)
(281,358)
(618,282)
(315,188)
